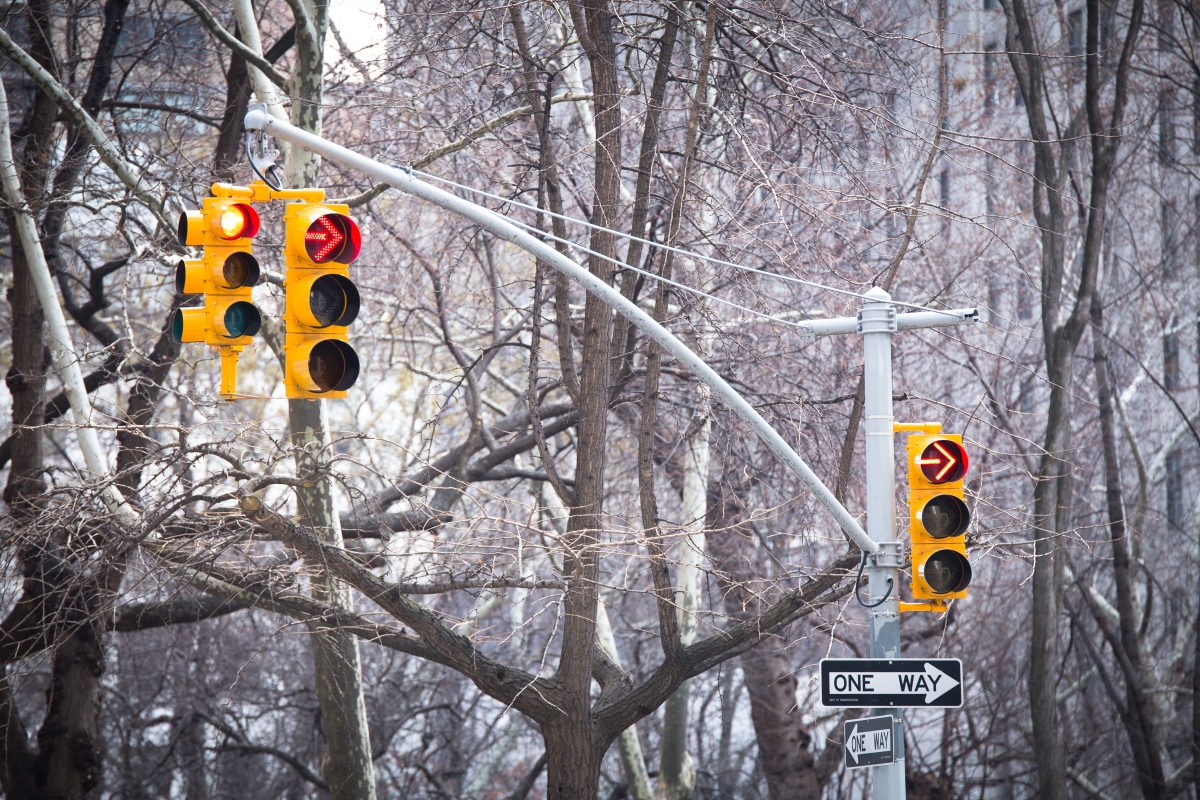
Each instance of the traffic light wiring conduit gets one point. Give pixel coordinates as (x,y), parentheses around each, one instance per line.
(258,119)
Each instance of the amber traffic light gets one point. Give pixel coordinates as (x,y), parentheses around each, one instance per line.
(225,276)
(938,516)
(321,241)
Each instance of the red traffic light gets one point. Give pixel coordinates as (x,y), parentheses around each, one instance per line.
(943,461)
(225,220)
(332,237)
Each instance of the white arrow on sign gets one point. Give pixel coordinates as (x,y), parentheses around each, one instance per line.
(868,743)
(933,683)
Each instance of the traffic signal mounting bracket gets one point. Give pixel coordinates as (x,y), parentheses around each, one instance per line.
(917,427)
(936,606)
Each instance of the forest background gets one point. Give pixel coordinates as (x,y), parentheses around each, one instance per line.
(529,556)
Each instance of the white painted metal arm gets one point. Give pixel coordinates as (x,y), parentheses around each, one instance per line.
(904,322)
(258,119)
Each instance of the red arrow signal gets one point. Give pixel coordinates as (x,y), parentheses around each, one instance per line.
(943,461)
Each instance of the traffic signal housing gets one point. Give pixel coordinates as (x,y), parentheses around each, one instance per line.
(225,275)
(321,241)
(938,516)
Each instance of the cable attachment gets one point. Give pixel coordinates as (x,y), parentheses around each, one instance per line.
(261,156)
(861,565)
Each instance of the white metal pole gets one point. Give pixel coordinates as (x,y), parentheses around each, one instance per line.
(877,322)
(258,119)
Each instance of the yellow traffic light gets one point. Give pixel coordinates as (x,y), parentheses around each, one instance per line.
(225,275)
(938,516)
(321,241)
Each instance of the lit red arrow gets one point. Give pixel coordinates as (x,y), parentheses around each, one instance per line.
(945,459)
(329,236)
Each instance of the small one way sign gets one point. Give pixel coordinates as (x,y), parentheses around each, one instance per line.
(895,682)
(869,742)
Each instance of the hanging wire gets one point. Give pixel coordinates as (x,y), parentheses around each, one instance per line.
(652,276)
(661,246)
(862,563)
(272,177)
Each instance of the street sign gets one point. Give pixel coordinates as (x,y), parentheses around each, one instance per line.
(869,742)
(895,682)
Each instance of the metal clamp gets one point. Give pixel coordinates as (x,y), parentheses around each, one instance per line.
(878,319)
(262,158)
(888,556)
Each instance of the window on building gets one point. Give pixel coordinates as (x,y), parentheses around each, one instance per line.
(991,5)
(1171,361)
(1196,116)
(990,70)
(1169,224)
(1166,126)
(1076,33)
(1175,489)
(944,187)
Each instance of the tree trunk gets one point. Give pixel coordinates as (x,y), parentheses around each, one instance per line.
(784,744)
(633,762)
(677,769)
(69,763)
(572,760)
(1139,724)
(347,767)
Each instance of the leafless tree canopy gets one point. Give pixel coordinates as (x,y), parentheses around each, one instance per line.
(530,556)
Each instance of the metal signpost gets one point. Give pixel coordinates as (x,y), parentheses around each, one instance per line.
(876,322)
(870,742)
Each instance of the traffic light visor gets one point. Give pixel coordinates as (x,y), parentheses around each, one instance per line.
(946,572)
(188,325)
(326,365)
(191,228)
(332,237)
(943,461)
(189,276)
(944,516)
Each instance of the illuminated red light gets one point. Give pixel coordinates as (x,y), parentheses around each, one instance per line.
(332,237)
(943,461)
(237,221)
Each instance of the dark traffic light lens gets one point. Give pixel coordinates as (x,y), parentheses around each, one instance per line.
(333,300)
(943,461)
(242,319)
(240,270)
(333,366)
(177,325)
(947,571)
(332,237)
(944,516)
(180,277)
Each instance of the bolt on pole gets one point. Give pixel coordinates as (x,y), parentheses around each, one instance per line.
(876,324)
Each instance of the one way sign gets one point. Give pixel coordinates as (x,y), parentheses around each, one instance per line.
(869,742)
(897,682)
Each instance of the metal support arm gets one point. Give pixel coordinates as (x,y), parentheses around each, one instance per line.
(258,119)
